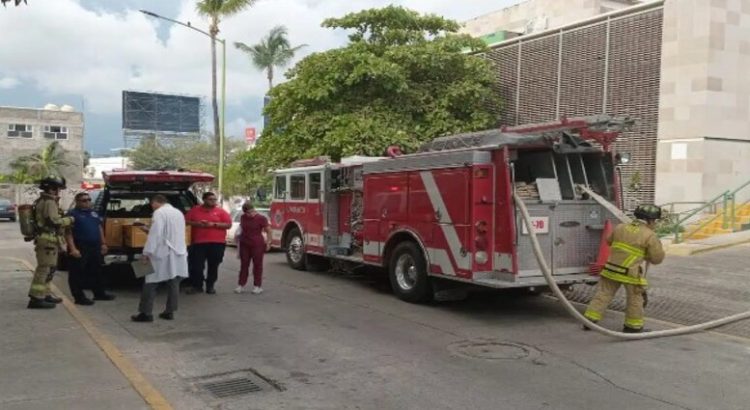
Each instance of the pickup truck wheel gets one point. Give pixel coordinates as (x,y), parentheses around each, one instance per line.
(295,250)
(407,271)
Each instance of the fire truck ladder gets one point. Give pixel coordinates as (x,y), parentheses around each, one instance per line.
(544,266)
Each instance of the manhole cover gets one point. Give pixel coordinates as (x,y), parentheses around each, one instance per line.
(492,350)
(231,387)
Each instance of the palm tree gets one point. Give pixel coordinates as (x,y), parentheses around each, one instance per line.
(273,50)
(50,161)
(215,10)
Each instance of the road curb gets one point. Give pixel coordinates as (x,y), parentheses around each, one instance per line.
(689,249)
(142,386)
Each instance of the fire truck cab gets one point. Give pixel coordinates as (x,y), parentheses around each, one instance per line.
(448,211)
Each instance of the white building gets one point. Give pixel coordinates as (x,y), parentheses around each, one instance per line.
(93,171)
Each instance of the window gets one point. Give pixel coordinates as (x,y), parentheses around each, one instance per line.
(315,179)
(280,187)
(297,187)
(54,132)
(19,131)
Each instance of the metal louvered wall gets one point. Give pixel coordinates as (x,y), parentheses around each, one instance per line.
(611,65)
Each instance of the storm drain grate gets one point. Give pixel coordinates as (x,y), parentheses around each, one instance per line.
(231,387)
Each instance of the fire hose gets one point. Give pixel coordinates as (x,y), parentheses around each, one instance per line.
(582,319)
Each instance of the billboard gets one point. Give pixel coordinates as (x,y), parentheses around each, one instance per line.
(161,113)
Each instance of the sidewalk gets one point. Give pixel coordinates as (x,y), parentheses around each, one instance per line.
(693,247)
(48,359)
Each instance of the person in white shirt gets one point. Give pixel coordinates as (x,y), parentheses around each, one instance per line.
(165,249)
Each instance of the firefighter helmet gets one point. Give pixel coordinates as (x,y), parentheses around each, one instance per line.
(52,182)
(647,212)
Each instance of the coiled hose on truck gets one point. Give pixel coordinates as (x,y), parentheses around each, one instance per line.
(577,315)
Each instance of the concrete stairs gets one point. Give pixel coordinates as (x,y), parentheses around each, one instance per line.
(714,224)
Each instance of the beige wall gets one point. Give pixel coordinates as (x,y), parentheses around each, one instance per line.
(705,99)
(16,147)
(540,15)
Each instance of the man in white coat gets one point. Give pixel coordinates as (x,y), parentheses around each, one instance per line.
(165,249)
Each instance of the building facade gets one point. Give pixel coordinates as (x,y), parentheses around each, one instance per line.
(675,66)
(98,165)
(26,131)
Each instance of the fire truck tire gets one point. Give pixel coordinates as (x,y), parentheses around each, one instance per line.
(295,250)
(407,271)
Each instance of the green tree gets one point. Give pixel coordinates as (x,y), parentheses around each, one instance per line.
(274,50)
(403,79)
(18,2)
(151,154)
(30,168)
(215,11)
(194,156)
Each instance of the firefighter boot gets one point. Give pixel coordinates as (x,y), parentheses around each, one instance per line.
(35,303)
(626,329)
(53,299)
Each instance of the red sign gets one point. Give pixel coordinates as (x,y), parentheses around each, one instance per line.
(250,135)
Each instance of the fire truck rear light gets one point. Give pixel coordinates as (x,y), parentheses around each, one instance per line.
(480,257)
(481,227)
(481,173)
(480,242)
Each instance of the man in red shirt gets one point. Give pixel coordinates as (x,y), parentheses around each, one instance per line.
(208,239)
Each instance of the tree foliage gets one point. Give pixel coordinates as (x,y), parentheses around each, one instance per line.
(152,154)
(403,79)
(51,160)
(273,51)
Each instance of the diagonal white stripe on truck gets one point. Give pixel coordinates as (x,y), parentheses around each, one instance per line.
(449,231)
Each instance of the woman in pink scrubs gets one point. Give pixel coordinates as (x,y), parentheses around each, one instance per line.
(252,247)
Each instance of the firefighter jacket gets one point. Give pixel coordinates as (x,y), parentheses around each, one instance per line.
(630,245)
(49,219)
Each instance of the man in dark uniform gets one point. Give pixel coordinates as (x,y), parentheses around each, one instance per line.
(86,246)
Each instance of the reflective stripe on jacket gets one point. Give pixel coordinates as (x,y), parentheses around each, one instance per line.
(631,244)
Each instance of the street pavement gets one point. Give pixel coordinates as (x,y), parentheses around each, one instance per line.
(694,289)
(335,341)
(47,360)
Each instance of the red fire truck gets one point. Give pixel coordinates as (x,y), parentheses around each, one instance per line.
(447,211)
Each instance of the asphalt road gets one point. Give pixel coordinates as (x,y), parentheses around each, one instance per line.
(332,341)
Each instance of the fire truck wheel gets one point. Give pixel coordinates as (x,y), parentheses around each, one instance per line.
(295,250)
(408,274)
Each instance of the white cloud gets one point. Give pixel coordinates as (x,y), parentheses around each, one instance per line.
(64,48)
(8,82)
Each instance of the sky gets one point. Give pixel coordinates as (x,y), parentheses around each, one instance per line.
(84,53)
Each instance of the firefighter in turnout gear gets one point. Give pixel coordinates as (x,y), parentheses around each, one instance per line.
(630,245)
(48,240)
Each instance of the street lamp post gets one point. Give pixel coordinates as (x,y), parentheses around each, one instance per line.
(223,91)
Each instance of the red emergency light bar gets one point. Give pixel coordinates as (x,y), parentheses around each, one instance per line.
(156,176)
(89,186)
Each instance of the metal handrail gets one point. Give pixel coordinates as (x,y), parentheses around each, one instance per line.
(676,227)
(743,186)
(728,213)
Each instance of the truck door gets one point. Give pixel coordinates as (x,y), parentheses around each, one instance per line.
(449,193)
(386,209)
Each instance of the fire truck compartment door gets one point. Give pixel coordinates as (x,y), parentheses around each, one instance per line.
(576,235)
